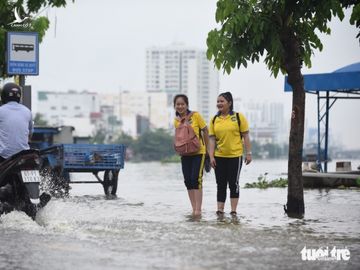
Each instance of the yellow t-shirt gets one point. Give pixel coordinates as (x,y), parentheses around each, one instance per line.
(227,135)
(197,123)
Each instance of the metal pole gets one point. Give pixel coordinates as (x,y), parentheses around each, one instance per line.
(22,85)
(22,81)
(319,167)
(26,92)
(326,132)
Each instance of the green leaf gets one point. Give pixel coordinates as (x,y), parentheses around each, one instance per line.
(355,15)
(209,54)
(228,69)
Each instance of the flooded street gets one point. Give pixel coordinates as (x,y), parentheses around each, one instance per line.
(149,226)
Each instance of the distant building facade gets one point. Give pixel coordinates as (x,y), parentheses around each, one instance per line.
(57,105)
(179,69)
(131,112)
(266,119)
(141,111)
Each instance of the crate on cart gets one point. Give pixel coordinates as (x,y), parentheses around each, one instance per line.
(93,157)
(62,159)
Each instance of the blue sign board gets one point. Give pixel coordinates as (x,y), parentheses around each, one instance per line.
(22,53)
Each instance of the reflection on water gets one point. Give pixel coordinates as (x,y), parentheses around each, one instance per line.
(149,227)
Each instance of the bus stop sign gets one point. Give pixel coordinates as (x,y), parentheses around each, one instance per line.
(22,53)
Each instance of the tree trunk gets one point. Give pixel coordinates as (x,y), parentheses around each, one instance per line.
(292,64)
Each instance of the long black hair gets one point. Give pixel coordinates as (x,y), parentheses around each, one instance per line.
(184,97)
(229,98)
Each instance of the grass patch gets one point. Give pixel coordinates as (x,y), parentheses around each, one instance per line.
(262,183)
(172,159)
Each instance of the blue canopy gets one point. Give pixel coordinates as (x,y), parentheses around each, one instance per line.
(46,130)
(344,79)
(345,82)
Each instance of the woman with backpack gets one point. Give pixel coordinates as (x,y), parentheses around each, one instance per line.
(228,132)
(191,143)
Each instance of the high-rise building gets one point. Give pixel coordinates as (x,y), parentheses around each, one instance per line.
(179,69)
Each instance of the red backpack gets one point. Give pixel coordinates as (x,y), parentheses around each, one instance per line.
(186,142)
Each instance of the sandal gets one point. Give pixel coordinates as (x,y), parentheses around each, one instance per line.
(233,213)
(219,213)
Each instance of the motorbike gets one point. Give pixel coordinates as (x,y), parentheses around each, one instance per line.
(20,184)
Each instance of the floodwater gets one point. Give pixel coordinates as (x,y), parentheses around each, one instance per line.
(149,226)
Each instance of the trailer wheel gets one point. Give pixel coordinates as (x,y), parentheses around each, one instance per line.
(110,182)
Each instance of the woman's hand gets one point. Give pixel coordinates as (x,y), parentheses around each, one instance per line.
(211,151)
(248,158)
(212,162)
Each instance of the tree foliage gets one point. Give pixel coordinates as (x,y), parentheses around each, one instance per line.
(98,138)
(154,145)
(251,29)
(125,139)
(151,146)
(35,23)
(39,120)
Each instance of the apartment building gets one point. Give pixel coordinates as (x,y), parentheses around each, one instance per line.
(179,69)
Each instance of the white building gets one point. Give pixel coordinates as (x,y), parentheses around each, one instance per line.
(266,120)
(151,105)
(178,69)
(112,102)
(56,107)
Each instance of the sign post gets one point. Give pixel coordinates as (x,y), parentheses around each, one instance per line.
(22,56)
(22,53)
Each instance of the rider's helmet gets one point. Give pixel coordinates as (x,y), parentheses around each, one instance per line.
(10,92)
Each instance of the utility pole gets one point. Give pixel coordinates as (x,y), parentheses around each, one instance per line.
(26,91)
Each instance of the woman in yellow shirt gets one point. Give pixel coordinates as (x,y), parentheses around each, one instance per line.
(193,165)
(228,132)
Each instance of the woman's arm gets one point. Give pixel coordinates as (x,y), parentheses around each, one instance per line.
(205,135)
(212,151)
(248,157)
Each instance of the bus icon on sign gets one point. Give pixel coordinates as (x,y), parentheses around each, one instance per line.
(22,47)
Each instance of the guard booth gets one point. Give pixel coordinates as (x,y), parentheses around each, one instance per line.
(343,83)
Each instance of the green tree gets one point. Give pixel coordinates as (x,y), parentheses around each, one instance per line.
(125,139)
(256,148)
(98,138)
(154,145)
(25,8)
(273,149)
(284,33)
(39,120)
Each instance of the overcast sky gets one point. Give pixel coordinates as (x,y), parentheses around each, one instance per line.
(100,46)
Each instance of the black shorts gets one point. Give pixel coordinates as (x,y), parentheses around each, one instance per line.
(192,168)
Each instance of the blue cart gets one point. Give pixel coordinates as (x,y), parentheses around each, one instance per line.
(60,160)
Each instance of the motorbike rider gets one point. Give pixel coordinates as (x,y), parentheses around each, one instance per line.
(15,122)
(15,132)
